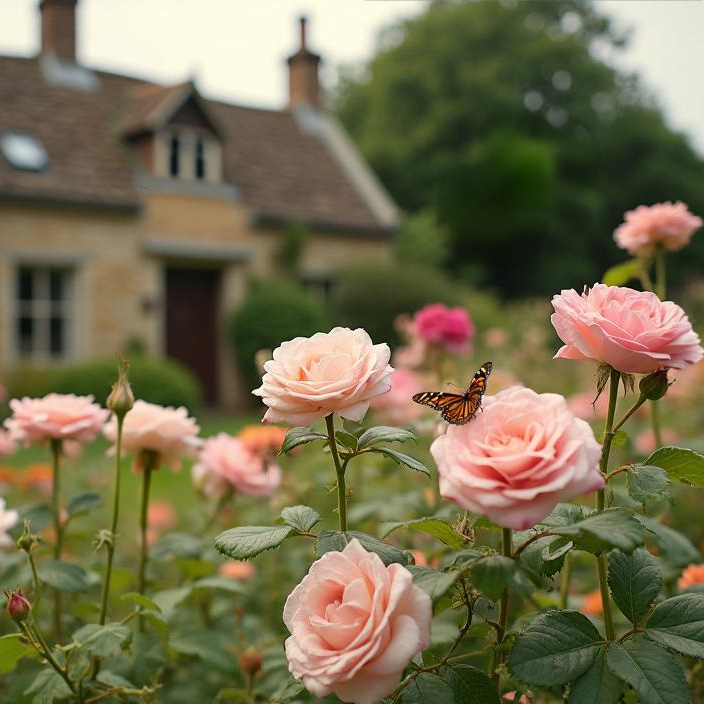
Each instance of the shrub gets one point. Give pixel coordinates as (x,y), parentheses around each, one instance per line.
(161,381)
(272,313)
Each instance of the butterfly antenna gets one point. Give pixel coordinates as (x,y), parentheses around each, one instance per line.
(453,385)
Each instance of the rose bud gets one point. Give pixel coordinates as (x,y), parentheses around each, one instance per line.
(251,661)
(121,398)
(655,385)
(18,607)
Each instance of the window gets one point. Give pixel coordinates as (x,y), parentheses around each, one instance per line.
(200,160)
(174,155)
(44,298)
(319,285)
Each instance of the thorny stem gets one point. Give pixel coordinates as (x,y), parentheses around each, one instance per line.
(40,645)
(340,471)
(565,579)
(150,463)
(532,539)
(503,609)
(55,455)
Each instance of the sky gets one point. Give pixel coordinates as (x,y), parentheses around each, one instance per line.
(235,49)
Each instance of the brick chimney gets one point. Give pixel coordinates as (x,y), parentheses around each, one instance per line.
(304,88)
(59,28)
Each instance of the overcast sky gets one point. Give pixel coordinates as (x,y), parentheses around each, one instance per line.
(235,48)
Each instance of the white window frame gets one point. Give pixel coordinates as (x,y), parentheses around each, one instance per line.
(188,138)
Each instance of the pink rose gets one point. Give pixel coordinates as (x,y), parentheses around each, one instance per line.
(164,430)
(584,405)
(668,224)
(237,569)
(450,328)
(355,625)
(7,520)
(632,331)
(334,372)
(396,407)
(226,463)
(55,417)
(525,453)
(161,516)
(645,443)
(7,444)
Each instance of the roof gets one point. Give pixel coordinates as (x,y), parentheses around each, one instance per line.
(284,171)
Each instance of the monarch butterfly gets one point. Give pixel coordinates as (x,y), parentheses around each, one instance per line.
(458,408)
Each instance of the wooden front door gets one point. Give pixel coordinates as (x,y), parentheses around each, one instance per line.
(192,322)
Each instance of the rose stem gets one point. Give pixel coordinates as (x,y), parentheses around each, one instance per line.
(506,549)
(149,462)
(56,454)
(339,470)
(565,579)
(601,562)
(119,417)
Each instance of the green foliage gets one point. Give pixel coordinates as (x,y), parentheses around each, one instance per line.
(427,687)
(678,624)
(598,685)
(648,484)
(329,540)
(300,518)
(245,542)
(12,650)
(680,463)
(299,436)
(621,274)
(493,574)
(84,502)
(433,582)
(422,240)
(103,641)
(64,576)
(635,582)
(470,685)
(613,528)
(437,527)
(272,313)
(47,687)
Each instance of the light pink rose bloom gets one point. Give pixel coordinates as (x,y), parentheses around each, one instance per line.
(162,429)
(632,331)
(451,328)
(334,372)
(397,407)
(645,443)
(355,625)
(525,453)
(7,444)
(161,516)
(7,520)
(668,224)
(226,463)
(55,417)
(585,406)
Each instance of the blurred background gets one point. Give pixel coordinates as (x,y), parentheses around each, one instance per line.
(198,181)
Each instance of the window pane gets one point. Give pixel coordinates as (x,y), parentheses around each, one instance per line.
(174,156)
(25,334)
(57,285)
(24,284)
(200,160)
(56,336)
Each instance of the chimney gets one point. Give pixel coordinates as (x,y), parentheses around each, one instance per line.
(59,28)
(304,88)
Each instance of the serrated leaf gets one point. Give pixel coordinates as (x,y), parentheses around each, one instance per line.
(680,463)
(177,545)
(545,556)
(346,439)
(103,641)
(299,436)
(225,584)
(471,685)
(384,433)
(674,546)
(288,690)
(401,458)
(64,576)
(613,528)
(598,685)
(678,623)
(245,542)
(427,688)
(302,518)
(12,650)
(433,582)
(84,503)
(113,680)
(635,581)
(47,687)
(437,527)
(492,574)
(562,515)
(205,645)
(557,647)
(333,540)
(654,674)
(648,484)
(144,601)
(621,274)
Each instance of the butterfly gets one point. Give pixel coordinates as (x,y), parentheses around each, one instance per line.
(458,409)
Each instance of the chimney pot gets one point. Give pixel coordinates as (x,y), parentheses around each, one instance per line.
(304,87)
(303,20)
(59,28)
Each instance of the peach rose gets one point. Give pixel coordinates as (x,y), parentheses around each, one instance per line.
(38,477)
(237,569)
(264,440)
(591,604)
(355,625)
(632,331)
(7,520)
(7,444)
(227,463)
(525,453)
(668,224)
(161,516)
(334,372)
(691,576)
(55,417)
(164,430)
(396,407)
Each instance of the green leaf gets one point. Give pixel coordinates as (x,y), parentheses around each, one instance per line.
(674,546)
(346,439)
(248,541)
(680,463)
(168,599)
(302,518)
(224,584)
(678,623)
(437,527)
(333,540)
(557,647)
(598,685)
(299,436)
(12,650)
(635,581)
(288,690)
(491,575)
(84,503)
(470,685)
(64,576)
(401,458)
(648,484)
(545,556)
(141,600)
(654,674)
(427,688)
(47,687)
(384,433)
(103,641)
(113,680)
(159,624)
(613,528)
(40,515)
(433,582)
(621,274)
(205,645)
(177,545)
(562,515)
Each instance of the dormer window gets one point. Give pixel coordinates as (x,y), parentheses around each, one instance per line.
(174,156)
(188,154)
(200,160)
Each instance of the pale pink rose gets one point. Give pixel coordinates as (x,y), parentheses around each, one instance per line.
(237,569)
(334,372)
(167,431)
(668,224)
(585,406)
(451,328)
(55,417)
(7,520)
(525,453)
(397,407)
(7,444)
(632,331)
(645,444)
(225,463)
(355,625)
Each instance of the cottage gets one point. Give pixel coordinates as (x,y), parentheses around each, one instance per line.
(131,211)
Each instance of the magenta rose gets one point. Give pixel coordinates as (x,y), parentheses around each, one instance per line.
(450,328)
(332,372)
(55,417)
(670,225)
(355,625)
(632,331)
(525,453)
